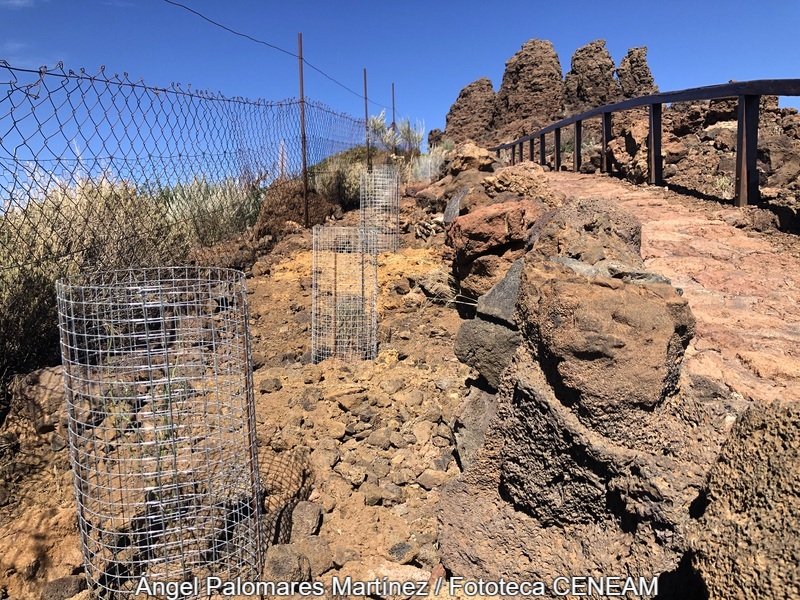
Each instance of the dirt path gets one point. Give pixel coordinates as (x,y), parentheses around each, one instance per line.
(743,285)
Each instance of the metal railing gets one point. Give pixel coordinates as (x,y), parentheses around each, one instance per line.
(748,93)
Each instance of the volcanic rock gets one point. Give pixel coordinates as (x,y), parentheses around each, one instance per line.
(751,507)
(526,180)
(634,76)
(492,229)
(532,92)
(467,157)
(590,81)
(471,116)
(589,231)
(610,350)
(488,342)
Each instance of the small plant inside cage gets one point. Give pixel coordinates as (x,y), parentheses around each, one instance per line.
(160,406)
(344,294)
(380,206)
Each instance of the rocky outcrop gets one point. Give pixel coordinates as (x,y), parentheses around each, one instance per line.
(597,453)
(496,211)
(531,94)
(487,240)
(634,76)
(471,116)
(590,81)
(750,509)
(488,342)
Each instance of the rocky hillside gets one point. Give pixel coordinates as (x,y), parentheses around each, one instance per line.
(545,402)
(699,138)
(534,92)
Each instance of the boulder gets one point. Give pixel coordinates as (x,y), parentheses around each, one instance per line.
(610,350)
(596,455)
(628,151)
(499,304)
(488,347)
(436,196)
(527,180)
(590,230)
(63,587)
(479,276)
(284,562)
(590,81)
(488,342)
(634,76)
(751,509)
(492,229)
(471,115)
(468,156)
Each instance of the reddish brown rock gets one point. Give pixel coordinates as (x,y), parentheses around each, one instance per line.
(531,94)
(634,76)
(590,81)
(492,229)
(527,180)
(470,117)
(609,349)
(589,231)
(468,156)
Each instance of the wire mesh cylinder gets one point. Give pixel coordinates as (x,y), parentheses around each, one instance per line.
(380,205)
(344,317)
(161,425)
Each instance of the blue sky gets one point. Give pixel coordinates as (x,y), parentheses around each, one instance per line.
(429,50)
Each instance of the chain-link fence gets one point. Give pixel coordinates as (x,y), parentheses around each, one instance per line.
(100,172)
(161,424)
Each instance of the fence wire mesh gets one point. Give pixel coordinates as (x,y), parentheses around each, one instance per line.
(344,311)
(161,425)
(101,172)
(380,205)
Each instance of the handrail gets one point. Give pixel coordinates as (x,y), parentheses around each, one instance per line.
(747,92)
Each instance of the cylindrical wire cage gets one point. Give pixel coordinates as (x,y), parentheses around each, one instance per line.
(344,311)
(161,425)
(380,205)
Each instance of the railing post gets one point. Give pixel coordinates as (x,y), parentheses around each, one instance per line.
(655,162)
(498,153)
(606,138)
(746,149)
(542,155)
(577,143)
(521,157)
(513,155)
(531,150)
(557,149)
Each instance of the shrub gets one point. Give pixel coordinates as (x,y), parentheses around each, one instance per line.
(89,225)
(208,212)
(337,179)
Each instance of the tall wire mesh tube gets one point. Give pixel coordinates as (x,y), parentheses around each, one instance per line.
(380,205)
(344,316)
(161,425)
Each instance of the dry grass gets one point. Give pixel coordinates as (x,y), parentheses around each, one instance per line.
(83,227)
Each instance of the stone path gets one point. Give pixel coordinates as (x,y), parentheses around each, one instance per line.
(743,285)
